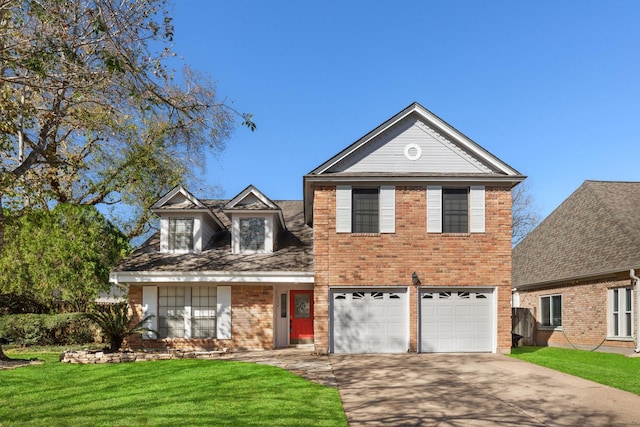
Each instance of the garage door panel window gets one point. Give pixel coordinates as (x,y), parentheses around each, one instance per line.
(369,321)
(456,321)
(551,311)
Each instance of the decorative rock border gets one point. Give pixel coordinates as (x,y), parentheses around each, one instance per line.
(86,357)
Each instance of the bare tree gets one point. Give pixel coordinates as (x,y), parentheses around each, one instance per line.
(525,214)
(92,113)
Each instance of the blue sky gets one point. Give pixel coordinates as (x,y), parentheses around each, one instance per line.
(550,87)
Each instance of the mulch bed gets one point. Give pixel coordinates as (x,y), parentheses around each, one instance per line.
(17,363)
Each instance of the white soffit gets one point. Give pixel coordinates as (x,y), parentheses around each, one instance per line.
(211,277)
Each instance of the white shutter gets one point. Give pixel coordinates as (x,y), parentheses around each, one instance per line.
(434,209)
(476,203)
(150,308)
(387,209)
(223,313)
(343,209)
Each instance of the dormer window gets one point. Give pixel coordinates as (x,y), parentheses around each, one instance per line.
(186,224)
(255,222)
(181,234)
(252,234)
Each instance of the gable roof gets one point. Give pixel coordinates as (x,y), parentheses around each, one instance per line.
(178,199)
(413,146)
(434,125)
(595,232)
(253,200)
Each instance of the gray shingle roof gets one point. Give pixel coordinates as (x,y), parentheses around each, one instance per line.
(294,249)
(595,231)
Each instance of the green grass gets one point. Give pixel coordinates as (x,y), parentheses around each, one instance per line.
(614,370)
(162,393)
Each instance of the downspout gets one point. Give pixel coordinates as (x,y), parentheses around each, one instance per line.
(636,281)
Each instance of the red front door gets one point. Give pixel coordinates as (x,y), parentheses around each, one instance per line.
(301,309)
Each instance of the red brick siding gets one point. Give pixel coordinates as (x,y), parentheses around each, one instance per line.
(584,314)
(251,322)
(478,259)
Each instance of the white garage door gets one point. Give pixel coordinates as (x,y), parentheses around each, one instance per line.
(456,320)
(369,321)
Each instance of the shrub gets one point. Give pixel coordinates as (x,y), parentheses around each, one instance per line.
(116,323)
(45,329)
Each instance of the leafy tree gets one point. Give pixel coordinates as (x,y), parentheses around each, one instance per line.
(60,259)
(116,323)
(93,113)
(525,216)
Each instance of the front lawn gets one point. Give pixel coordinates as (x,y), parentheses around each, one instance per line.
(172,392)
(614,370)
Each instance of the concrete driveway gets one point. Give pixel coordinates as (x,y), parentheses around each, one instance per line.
(473,390)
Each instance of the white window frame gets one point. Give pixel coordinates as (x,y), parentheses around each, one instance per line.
(551,324)
(620,313)
(171,235)
(222,309)
(268,233)
(476,209)
(386,209)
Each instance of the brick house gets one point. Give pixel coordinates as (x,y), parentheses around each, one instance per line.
(402,243)
(576,272)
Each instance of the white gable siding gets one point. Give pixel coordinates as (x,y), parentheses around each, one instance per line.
(343,209)
(386,153)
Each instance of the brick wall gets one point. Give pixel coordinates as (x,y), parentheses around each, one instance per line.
(251,322)
(343,259)
(584,314)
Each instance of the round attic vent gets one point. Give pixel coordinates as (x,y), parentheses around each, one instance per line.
(412,151)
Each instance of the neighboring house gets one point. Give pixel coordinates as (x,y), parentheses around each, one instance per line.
(575,271)
(402,243)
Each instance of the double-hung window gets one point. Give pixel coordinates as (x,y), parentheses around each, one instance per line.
(365,210)
(620,313)
(187,312)
(181,234)
(252,234)
(455,210)
(551,311)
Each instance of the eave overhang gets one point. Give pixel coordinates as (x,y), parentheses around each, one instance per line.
(150,277)
(566,281)
(310,181)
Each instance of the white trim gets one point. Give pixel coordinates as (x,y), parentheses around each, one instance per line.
(268,232)
(211,276)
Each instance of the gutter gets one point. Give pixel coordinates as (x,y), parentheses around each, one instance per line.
(636,280)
